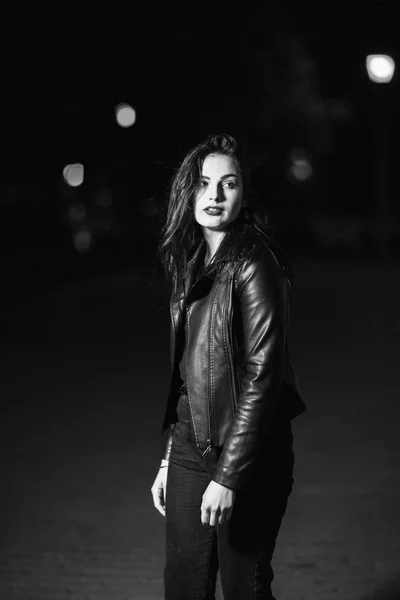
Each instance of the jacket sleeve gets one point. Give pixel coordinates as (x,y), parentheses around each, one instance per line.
(168,442)
(263,296)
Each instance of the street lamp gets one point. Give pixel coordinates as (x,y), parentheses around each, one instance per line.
(380,69)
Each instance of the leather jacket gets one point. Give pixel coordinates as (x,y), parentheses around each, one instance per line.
(239,373)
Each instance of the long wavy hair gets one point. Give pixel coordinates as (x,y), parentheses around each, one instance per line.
(181,234)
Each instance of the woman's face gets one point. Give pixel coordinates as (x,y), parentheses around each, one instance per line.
(220,195)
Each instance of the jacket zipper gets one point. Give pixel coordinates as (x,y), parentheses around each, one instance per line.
(229,344)
(209,443)
(208,449)
(210,403)
(187,386)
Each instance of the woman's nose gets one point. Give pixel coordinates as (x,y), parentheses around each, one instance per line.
(216,194)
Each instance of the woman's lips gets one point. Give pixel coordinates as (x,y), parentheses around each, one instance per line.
(213,211)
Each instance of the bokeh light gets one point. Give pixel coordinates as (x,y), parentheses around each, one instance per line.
(380,68)
(125,115)
(301,169)
(74,174)
(83,240)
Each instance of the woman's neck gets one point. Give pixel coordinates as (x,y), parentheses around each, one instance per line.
(213,240)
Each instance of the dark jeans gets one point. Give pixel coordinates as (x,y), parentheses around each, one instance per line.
(242,547)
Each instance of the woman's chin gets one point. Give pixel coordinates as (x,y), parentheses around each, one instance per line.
(213,223)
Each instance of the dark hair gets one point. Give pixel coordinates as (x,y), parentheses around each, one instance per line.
(181,233)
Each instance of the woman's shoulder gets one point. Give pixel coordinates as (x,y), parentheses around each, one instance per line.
(266,256)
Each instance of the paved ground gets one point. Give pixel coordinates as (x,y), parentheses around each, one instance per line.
(83,375)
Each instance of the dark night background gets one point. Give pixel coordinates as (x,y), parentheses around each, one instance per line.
(84,314)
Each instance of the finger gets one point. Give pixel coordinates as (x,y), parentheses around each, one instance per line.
(204,516)
(224,516)
(160,508)
(158,501)
(158,494)
(213,519)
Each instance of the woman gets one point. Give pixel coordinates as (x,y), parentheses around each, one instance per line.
(228,459)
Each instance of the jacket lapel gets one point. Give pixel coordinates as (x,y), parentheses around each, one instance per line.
(178,303)
(177,306)
(192,268)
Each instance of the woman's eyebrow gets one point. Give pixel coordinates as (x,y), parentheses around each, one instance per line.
(223,176)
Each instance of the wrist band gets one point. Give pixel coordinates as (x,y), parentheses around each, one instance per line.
(163,466)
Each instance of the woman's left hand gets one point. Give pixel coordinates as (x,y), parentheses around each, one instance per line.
(217,504)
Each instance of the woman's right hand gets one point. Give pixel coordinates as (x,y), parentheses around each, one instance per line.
(159,490)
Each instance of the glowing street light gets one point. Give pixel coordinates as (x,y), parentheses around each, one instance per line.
(380,69)
(74,174)
(125,115)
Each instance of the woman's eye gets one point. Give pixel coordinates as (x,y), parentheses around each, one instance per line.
(231,185)
(203,183)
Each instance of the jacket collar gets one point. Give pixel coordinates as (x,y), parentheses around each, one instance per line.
(193,265)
